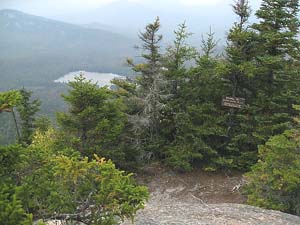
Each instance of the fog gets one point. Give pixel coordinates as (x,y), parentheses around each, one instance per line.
(132,15)
(53,8)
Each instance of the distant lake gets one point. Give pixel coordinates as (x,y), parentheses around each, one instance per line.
(102,79)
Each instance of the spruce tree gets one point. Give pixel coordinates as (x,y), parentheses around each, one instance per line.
(150,90)
(27,110)
(178,54)
(238,78)
(150,47)
(8,101)
(240,52)
(273,182)
(277,61)
(199,131)
(262,67)
(94,121)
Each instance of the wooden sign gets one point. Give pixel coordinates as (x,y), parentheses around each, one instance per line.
(233,102)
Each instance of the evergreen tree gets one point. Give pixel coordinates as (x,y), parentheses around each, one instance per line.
(261,67)
(48,180)
(94,121)
(274,181)
(199,121)
(150,90)
(151,55)
(175,61)
(8,101)
(12,211)
(27,110)
(57,183)
(238,76)
(240,53)
(276,79)
(178,55)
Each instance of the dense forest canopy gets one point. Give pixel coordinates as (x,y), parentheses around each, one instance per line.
(170,112)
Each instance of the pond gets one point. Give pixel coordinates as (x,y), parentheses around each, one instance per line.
(101,79)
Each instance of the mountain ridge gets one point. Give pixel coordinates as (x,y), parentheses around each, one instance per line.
(11,14)
(35,50)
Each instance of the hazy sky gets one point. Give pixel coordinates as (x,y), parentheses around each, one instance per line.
(133,15)
(52,8)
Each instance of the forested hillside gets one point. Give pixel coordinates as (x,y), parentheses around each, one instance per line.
(34,51)
(239,111)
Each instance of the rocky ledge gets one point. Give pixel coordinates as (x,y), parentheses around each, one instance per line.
(200,198)
(211,214)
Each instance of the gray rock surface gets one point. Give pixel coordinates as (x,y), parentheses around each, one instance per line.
(201,198)
(162,210)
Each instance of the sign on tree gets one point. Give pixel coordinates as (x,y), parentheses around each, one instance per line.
(233,102)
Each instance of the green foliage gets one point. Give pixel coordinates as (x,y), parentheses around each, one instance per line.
(61,185)
(11,209)
(276,80)
(181,156)
(71,188)
(278,28)
(150,53)
(22,114)
(194,120)
(239,70)
(171,112)
(8,100)
(146,101)
(10,157)
(27,110)
(42,123)
(178,54)
(261,68)
(94,121)
(52,181)
(208,44)
(274,181)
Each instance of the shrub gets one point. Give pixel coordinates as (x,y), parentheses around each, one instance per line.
(274,181)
